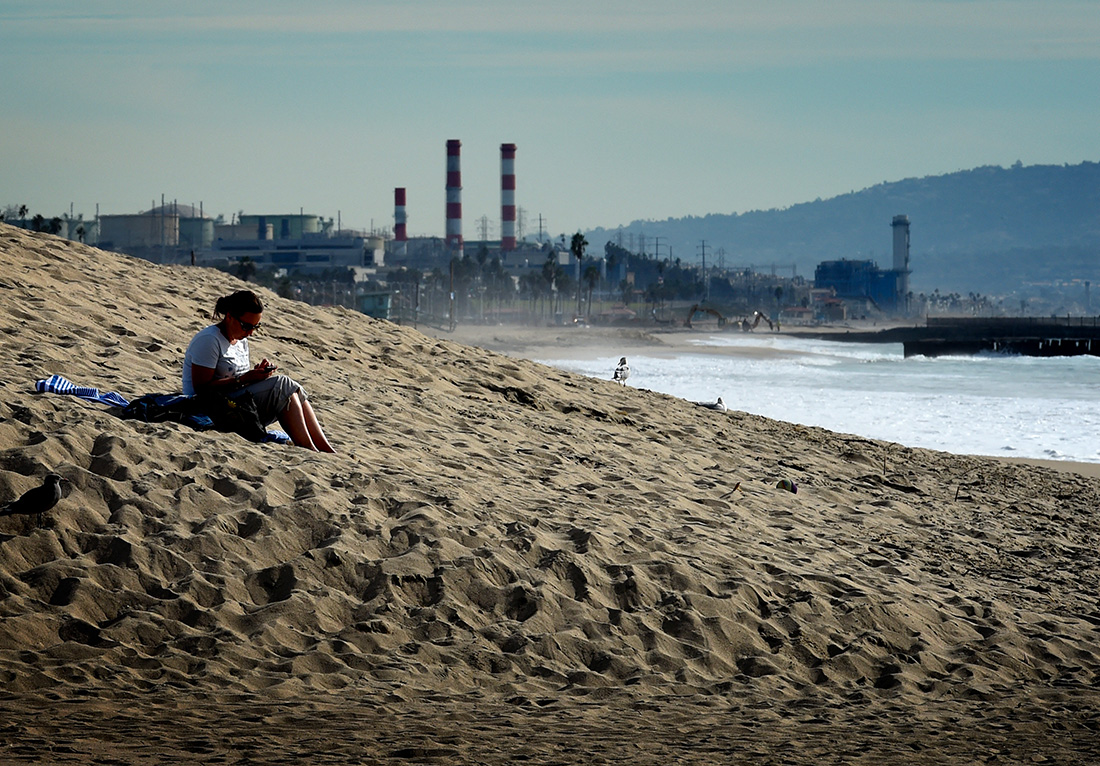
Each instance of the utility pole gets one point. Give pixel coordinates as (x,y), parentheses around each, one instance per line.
(580,277)
(454,321)
(706,280)
(657,248)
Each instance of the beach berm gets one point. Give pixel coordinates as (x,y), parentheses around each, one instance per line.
(504,563)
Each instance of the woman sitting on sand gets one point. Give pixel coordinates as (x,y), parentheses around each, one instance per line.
(217,361)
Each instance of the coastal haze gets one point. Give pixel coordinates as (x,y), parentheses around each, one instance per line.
(509,562)
(622,112)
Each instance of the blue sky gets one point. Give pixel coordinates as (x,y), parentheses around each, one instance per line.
(620,110)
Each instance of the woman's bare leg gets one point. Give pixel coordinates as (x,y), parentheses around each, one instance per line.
(314,427)
(293,420)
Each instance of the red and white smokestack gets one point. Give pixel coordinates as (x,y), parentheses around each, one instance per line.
(454,195)
(399,233)
(507,197)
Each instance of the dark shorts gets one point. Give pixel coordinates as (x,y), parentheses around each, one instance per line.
(273,395)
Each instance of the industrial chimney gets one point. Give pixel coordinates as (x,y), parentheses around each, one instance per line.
(399,232)
(507,197)
(454,196)
(901,259)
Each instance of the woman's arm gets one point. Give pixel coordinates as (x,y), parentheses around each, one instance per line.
(202,378)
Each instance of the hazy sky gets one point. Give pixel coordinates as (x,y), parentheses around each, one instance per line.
(621,110)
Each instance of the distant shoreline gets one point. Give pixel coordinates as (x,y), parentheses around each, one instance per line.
(1092,470)
(543,343)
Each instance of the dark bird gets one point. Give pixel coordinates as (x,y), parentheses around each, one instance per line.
(37,500)
(622,372)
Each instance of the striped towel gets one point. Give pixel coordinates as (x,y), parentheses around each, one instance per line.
(55,384)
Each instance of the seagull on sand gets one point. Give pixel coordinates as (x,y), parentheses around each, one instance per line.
(37,500)
(622,372)
(718,405)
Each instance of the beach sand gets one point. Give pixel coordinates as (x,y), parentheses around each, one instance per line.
(550,343)
(504,563)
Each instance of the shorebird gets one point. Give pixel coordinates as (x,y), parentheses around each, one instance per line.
(37,500)
(622,372)
(718,405)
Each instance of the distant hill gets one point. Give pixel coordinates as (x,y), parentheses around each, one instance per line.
(989,229)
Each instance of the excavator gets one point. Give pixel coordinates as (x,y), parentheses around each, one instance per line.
(747,326)
(758,316)
(706,310)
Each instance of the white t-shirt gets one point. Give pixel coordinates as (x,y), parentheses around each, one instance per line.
(209,348)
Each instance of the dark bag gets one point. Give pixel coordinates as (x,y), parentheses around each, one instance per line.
(175,408)
(237,414)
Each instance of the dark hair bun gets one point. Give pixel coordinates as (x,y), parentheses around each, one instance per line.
(240,302)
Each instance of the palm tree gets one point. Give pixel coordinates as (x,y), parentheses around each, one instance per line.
(591,278)
(550,269)
(246,268)
(627,291)
(578,245)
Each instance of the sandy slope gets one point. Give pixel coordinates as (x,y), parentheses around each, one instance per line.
(505,562)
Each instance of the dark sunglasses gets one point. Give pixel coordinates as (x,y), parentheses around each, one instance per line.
(247,326)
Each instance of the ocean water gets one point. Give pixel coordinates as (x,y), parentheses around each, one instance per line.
(992,404)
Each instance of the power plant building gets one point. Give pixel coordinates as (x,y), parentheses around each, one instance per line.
(302,243)
(141,230)
(864,280)
(157,233)
(288,226)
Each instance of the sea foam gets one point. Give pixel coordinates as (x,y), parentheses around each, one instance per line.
(987,404)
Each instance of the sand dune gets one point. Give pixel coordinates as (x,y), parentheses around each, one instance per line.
(504,563)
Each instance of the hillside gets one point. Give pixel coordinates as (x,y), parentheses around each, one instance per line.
(987,229)
(503,563)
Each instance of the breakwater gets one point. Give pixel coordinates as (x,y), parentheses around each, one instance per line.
(1026,336)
